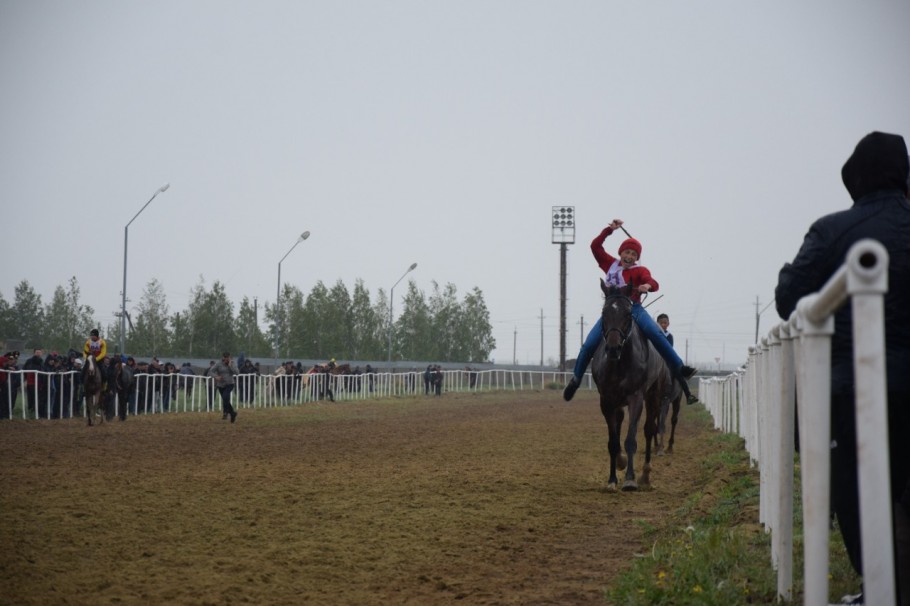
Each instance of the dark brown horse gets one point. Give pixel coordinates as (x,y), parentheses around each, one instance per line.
(341,369)
(121,383)
(629,374)
(92,382)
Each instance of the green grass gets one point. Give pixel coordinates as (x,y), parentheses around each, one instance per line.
(713,551)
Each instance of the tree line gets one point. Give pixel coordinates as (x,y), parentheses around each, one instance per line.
(325,323)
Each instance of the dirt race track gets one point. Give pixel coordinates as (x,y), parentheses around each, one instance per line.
(475,499)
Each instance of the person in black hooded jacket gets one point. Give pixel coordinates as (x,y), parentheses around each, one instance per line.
(876,176)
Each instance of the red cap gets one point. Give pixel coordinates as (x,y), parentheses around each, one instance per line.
(631,244)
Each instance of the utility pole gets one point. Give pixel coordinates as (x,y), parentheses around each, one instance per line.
(758,315)
(515,346)
(541,336)
(756,319)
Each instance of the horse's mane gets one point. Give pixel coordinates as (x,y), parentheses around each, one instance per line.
(614,291)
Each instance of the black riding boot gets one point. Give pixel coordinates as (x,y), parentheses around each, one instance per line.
(682,377)
(570,389)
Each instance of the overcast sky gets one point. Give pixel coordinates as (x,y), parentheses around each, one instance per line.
(440,133)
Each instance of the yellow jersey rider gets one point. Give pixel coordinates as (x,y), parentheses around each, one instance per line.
(95,346)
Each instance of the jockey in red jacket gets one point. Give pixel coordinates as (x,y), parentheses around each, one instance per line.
(620,272)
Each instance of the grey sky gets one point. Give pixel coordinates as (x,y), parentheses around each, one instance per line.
(439,133)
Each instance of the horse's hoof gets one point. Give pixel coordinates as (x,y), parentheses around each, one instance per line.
(629,485)
(611,487)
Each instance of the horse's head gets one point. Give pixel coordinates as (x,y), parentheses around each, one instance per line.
(616,319)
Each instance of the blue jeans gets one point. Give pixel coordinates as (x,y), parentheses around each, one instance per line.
(647,325)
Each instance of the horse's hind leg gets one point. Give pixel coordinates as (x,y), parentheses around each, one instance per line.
(673,420)
(651,434)
(662,426)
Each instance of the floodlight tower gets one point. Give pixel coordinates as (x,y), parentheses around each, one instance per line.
(563,232)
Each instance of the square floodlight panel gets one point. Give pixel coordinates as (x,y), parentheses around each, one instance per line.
(563,226)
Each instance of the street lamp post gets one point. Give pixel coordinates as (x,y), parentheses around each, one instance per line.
(391,301)
(278,318)
(126,229)
(563,233)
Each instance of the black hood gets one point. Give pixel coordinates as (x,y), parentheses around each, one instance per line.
(878,163)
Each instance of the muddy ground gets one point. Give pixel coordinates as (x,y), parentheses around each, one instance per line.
(474,499)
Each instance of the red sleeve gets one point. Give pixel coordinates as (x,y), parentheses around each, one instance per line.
(641,275)
(604,259)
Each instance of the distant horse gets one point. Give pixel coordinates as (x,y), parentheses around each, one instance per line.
(342,380)
(629,373)
(673,399)
(92,382)
(341,369)
(121,385)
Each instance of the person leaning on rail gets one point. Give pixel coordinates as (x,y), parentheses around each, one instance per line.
(877,176)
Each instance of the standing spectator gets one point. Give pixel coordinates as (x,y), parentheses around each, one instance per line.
(876,176)
(663,320)
(246,382)
(168,386)
(427,379)
(156,372)
(472,377)
(370,375)
(131,396)
(15,380)
(35,383)
(224,373)
(210,387)
(186,371)
(437,380)
(297,373)
(6,361)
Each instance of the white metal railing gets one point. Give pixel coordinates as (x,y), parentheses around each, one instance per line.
(48,395)
(791,367)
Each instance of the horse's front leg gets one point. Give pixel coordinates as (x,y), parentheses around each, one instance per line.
(621,460)
(631,445)
(613,447)
(89,409)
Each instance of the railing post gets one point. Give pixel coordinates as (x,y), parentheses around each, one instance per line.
(783,534)
(867,282)
(814,401)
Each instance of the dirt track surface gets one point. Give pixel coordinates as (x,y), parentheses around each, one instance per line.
(483,499)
